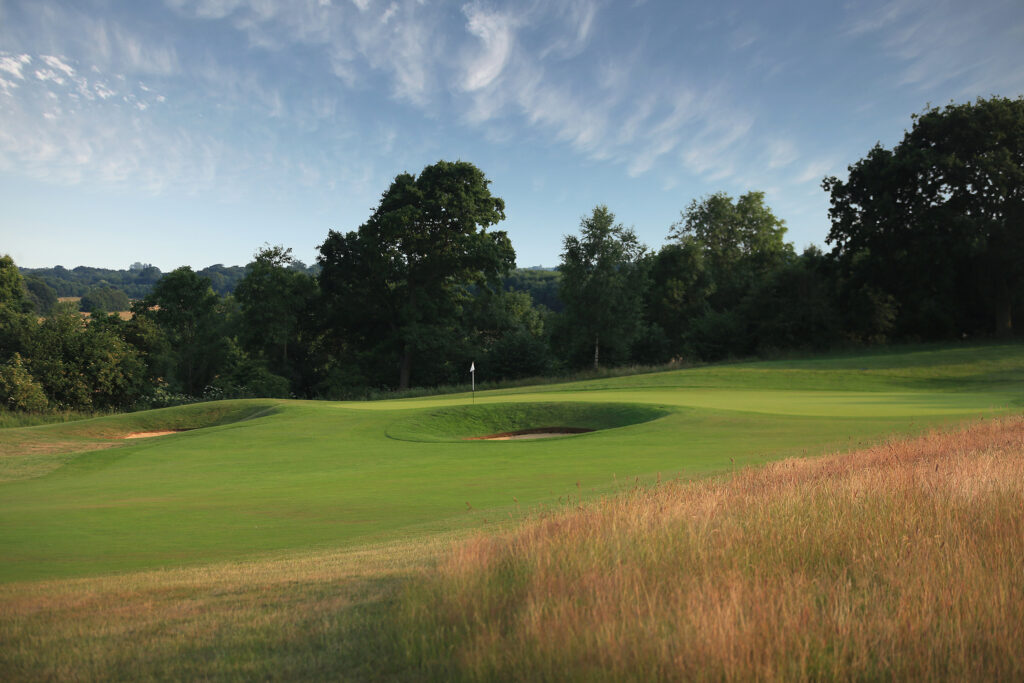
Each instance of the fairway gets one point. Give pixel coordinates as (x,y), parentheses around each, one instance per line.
(262,478)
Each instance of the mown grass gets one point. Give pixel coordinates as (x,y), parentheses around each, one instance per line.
(314,617)
(900,561)
(37,450)
(258,478)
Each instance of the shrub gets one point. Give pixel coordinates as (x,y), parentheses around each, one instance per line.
(18,390)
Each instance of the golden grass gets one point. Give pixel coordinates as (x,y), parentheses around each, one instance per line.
(905,560)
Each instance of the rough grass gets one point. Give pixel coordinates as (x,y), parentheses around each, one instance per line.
(903,560)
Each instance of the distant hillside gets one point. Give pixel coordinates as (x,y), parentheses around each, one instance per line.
(138,280)
(540,283)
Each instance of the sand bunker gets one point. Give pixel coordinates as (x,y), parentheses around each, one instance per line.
(146,435)
(538,433)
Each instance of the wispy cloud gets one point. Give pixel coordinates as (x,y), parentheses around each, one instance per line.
(814,171)
(938,42)
(402,39)
(497,34)
(781,153)
(67,127)
(545,70)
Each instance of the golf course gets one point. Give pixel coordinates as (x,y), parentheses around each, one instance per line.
(254,483)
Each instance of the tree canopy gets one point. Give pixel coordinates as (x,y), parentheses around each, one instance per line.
(602,282)
(741,241)
(394,285)
(185,308)
(938,221)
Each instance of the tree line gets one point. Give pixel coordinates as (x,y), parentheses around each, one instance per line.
(926,244)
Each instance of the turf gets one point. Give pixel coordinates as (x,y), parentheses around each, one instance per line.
(261,478)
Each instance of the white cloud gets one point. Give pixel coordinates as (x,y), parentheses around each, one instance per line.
(67,128)
(58,64)
(13,65)
(496,33)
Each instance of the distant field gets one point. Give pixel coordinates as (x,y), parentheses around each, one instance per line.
(258,508)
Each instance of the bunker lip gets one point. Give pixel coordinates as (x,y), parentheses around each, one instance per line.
(536,433)
(146,435)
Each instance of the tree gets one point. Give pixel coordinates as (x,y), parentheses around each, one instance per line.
(795,307)
(274,300)
(83,365)
(740,241)
(104,299)
(16,326)
(12,285)
(509,336)
(18,389)
(395,285)
(603,282)
(949,199)
(681,285)
(186,310)
(41,295)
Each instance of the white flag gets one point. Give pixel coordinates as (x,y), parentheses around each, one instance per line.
(472,366)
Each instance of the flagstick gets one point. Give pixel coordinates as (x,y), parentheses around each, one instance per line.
(472,374)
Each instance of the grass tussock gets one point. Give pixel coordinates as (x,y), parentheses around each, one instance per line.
(904,560)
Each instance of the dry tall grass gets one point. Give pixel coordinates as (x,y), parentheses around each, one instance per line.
(905,560)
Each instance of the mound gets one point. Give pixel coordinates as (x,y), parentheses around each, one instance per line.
(506,420)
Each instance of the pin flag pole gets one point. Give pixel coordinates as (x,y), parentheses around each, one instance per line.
(472,374)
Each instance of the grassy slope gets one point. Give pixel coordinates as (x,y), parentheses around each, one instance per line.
(301,476)
(901,562)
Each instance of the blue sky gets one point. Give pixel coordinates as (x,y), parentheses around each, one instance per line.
(192,132)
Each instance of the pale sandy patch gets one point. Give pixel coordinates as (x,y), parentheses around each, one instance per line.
(146,435)
(540,433)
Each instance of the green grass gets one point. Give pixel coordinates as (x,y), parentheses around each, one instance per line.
(265,478)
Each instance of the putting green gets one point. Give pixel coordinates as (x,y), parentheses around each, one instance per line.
(259,478)
(805,403)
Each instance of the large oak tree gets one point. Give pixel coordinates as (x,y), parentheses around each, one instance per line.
(394,286)
(939,219)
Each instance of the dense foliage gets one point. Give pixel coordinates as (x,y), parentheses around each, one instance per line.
(397,287)
(927,245)
(933,229)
